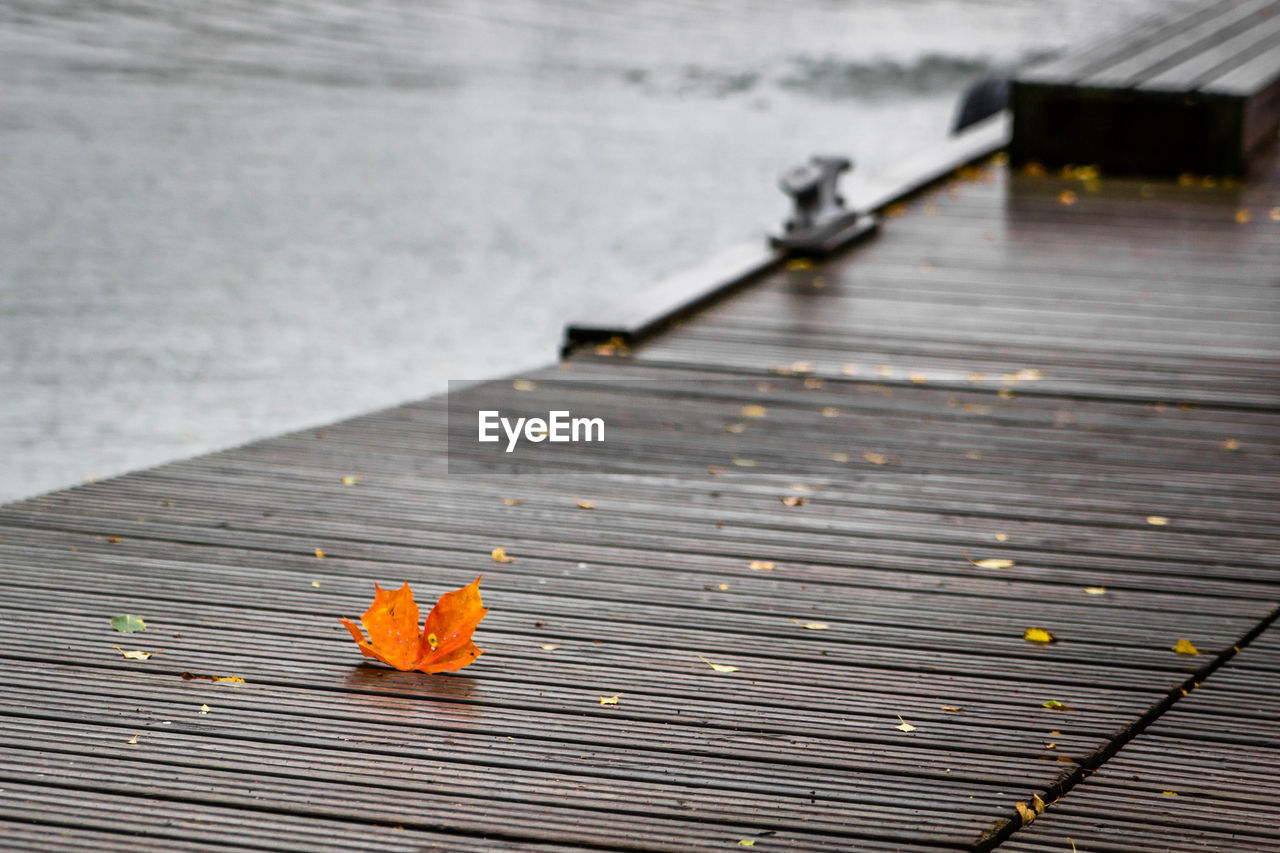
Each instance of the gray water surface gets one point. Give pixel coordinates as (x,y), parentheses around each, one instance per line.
(224,220)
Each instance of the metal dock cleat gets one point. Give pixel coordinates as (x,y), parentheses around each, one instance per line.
(819,222)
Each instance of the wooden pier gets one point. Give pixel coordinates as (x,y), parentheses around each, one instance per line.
(1031,401)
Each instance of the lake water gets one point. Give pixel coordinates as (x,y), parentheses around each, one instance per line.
(224,220)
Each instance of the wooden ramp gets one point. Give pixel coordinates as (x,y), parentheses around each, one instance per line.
(1030,402)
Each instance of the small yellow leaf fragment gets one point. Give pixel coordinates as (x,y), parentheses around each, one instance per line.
(884,370)
(524,385)
(1185,647)
(608,700)
(760,566)
(1067,197)
(204,709)
(754,411)
(746,842)
(1054,705)
(1231,444)
(1002,537)
(1242,216)
(812,626)
(904,726)
(991,563)
(736,428)
(799,264)
(499,555)
(316,584)
(875,458)
(1025,811)
(134,654)
(794,500)
(1095,590)
(133,741)
(350,480)
(918,378)
(1157,520)
(1050,746)
(1037,803)
(1169,793)
(512,502)
(950,709)
(1038,635)
(1275,214)
(718,667)
(744,463)
(723,587)
(830,412)
(319,554)
(586,505)
(1005,394)
(548,647)
(838,457)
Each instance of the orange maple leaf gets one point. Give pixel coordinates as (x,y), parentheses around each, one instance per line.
(443,644)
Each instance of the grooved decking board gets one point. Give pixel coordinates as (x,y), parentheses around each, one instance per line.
(1149,321)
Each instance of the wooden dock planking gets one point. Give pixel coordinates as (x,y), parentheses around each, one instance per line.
(1127,303)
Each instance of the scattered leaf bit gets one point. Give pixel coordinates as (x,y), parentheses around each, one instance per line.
(1037,804)
(1242,216)
(918,378)
(133,741)
(1095,590)
(799,487)
(975,376)
(799,264)
(1067,197)
(814,384)
(1002,537)
(548,647)
(443,644)
(113,539)
(760,566)
(1274,214)
(512,502)
(135,654)
(127,624)
(991,562)
(350,480)
(812,626)
(1169,793)
(838,457)
(875,458)
(895,210)
(204,709)
(735,428)
(718,667)
(722,587)
(715,469)
(976,409)
(950,709)
(1157,520)
(794,500)
(524,385)
(802,367)
(884,370)
(746,842)
(232,679)
(319,554)
(608,700)
(830,412)
(1185,647)
(1005,394)
(1055,705)
(1231,444)
(1033,169)
(1028,814)
(1066,758)
(499,555)
(754,411)
(904,726)
(586,505)
(744,463)
(1038,635)
(1051,746)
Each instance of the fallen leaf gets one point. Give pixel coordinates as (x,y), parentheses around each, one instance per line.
(714,469)
(548,647)
(1169,793)
(1028,814)
(1095,590)
(1038,635)
(1037,803)
(350,480)
(1157,520)
(802,367)
(1231,444)
(114,540)
(1002,537)
(1055,705)
(1185,647)
(830,412)
(735,428)
(608,700)
(499,555)
(512,502)
(918,378)
(838,457)
(744,463)
(991,563)
(1242,216)
(204,709)
(232,679)
(794,500)
(812,626)
(904,726)
(524,385)
(586,505)
(754,411)
(128,624)
(718,667)
(1050,746)
(950,709)
(760,566)
(1005,394)
(135,655)
(799,264)
(884,370)
(746,842)
(1275,214)
(875,458)
(1067,197)
(133,741)
(316,584)
(319,554)
(442,644)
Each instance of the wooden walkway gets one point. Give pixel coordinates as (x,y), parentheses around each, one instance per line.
(1076,376)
